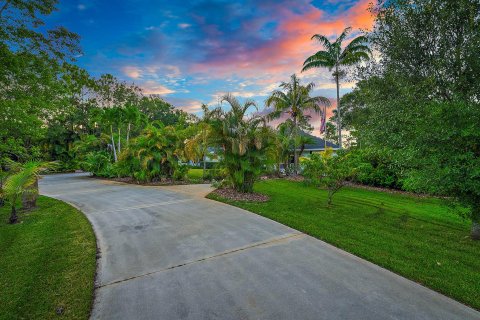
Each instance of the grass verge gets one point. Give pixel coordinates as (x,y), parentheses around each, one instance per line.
(418,238)
(47,263)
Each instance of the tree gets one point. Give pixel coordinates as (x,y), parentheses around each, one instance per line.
(23,183)
(34,60)
(330,171)
(421,100)
(245,142)
(295,101)
(156,109)
(197,146)
(154,154)
(334,57)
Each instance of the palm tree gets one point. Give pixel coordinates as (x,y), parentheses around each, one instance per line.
(295,101)
(333,57)
(23,183)
(245,141)
(197,147)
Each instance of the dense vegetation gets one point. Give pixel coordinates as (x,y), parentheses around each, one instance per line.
(47,262)
(419,102)
(412,122)
(416,237)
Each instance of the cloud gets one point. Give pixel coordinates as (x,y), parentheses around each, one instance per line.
(187,105)
(290,44)
(132,72)
(81,7)
(151,87)
(200,49)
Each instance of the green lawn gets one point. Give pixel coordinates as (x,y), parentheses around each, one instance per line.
(46,262)
(418,238)
(195,174)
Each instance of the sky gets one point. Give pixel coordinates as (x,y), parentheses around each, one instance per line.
(193,51)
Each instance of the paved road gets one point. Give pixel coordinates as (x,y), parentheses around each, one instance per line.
(168,253)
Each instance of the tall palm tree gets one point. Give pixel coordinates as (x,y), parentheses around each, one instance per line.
(334,57)
(295,100)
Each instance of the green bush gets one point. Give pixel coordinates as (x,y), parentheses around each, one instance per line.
(99,163)
(153,155)
(376,167)
(329,170)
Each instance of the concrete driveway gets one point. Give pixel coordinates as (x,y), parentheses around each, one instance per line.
(168,253)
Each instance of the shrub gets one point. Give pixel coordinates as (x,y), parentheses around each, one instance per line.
(329,170)
(377,167)
(99,163)
(153,155)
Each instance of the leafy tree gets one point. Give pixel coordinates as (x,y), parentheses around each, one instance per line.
(421,100)
(334,57)
(245,141)
(156,109)
(33,60)
(330,171)
(294,99)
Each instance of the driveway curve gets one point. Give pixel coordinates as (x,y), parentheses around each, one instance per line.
(169,253)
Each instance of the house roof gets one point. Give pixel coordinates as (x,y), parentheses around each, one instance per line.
(318,143)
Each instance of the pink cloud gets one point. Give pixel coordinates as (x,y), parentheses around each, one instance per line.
(286,54)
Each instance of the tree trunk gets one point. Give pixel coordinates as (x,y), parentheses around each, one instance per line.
(339,126)
(247,185)
(113,144)
(128,133)
(119,145)
(295,153)
(13,216)
(204,166)
(29,198)
(330,197)
(475,234)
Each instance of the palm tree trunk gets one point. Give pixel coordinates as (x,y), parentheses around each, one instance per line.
(339,127)
(204,166)
(295,153)
(128,133)
(119,145)
(13,216)
(29,199)
(113,144)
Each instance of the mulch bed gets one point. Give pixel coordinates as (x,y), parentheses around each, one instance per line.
(234,195)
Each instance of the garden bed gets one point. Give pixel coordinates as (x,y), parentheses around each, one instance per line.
(232,194)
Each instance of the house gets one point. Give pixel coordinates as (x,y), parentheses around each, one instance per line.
(314,144)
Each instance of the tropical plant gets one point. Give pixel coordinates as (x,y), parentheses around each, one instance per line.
(23,184)
(329,170)
(154,154)
(334,57)
(244,140)
(294,99)
(196,147)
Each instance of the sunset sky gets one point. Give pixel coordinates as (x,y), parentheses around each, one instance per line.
(194,51)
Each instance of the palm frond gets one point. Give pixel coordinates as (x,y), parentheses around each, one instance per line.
(322,40)
(344,35)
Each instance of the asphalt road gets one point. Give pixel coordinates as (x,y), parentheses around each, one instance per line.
(169,253)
